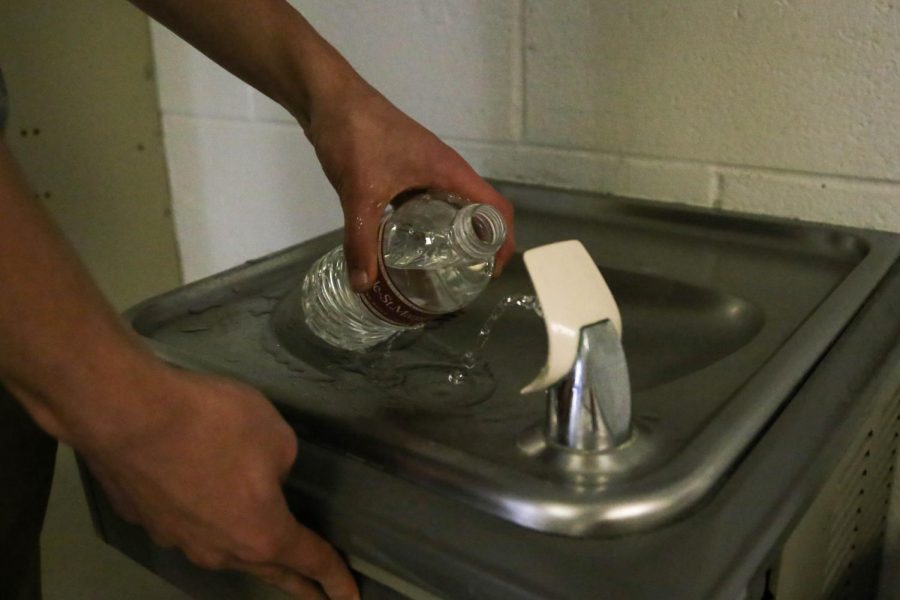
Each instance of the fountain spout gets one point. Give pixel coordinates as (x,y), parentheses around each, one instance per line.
(586,374)
(590,409)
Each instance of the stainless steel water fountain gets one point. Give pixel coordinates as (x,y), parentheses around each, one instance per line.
(723,317)
(586,374)
(590,409)
(748,342)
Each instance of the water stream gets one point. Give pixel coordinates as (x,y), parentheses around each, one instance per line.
(430,373)
(471,358)
(415,371)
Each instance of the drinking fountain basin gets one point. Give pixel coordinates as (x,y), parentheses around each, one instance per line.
(723,317)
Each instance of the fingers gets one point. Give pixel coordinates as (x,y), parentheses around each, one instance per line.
(305,553)
(286,555)
(363,214)
(361,222)
(291,583)
(467,183)
(286,450)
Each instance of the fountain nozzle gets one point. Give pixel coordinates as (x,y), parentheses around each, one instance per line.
(586,374)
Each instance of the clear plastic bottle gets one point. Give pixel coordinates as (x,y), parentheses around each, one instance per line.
(437,255)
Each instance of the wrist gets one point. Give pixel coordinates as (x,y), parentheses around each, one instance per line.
(313,78)
(97,399)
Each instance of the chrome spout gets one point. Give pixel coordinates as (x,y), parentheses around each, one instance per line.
(590,409)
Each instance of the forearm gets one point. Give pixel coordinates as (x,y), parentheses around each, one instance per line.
(266,43)
(166,445)
(63,349)
(370,151)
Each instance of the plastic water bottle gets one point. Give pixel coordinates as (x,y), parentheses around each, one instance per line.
(437,255)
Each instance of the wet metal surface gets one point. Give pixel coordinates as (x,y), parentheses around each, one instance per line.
(722,316)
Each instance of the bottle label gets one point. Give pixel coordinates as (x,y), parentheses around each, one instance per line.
(387,302)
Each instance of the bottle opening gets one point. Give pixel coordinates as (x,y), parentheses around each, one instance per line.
(480,230)
(484,231)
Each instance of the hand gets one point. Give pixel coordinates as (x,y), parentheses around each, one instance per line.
(202,471)
(372,152)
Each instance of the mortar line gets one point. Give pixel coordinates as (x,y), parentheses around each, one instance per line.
(674,161)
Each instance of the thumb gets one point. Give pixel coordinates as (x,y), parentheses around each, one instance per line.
(361,223)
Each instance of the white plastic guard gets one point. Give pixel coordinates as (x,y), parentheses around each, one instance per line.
(572,294)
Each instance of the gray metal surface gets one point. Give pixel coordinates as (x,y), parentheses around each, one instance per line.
(724,317)
(836,549)
(454,550)
(590,410)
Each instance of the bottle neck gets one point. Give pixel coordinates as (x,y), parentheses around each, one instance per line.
(478,231)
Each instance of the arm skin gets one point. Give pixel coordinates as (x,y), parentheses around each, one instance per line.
(370,151)
(198,460)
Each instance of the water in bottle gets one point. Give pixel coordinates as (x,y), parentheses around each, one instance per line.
(437,255)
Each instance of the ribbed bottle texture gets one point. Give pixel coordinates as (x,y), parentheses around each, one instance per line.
(437,255)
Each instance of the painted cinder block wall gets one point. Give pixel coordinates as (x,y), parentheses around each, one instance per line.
(783,107)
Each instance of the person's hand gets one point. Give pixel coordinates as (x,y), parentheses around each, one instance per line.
(201,470)
(371,153)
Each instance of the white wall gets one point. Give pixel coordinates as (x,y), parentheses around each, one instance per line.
(85,128)
(785,107)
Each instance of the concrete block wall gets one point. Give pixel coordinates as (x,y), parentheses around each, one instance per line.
(772,107)
(783,107)
(245,180)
